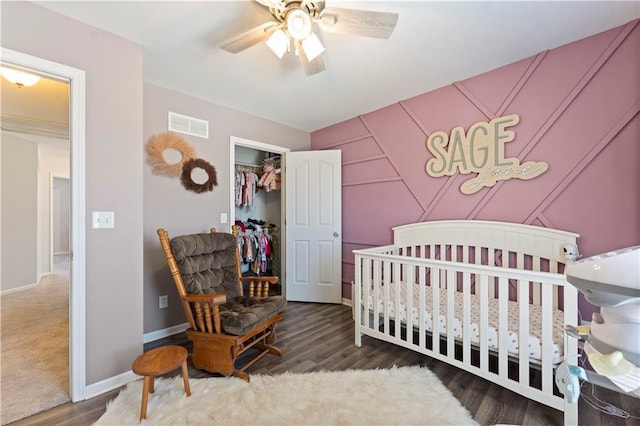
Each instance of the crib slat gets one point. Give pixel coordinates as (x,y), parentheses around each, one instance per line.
(478,260)
(387,276)
(466,318)
(491,259)
(422,277)
(435,308)
(523,338)
(491,256)
(451,290)
(378,292)
(397,279)
(520,264)
(503,332)
(358,298)
(366,276)
(553,267)
(484,322)
(547,340)
(377,282)
(535,265)
(409,280)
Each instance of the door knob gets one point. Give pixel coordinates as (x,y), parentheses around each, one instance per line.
(335,234)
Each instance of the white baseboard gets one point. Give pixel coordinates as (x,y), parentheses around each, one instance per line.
(347,302)
(18,289)
(125,378)
(109,384)
(165,332)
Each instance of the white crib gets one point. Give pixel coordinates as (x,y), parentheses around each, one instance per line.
(485,287)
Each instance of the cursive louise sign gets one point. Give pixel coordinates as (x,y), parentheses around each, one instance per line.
(481,151)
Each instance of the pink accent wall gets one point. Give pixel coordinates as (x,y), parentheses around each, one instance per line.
(579,112)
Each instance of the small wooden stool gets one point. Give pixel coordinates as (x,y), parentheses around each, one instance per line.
(156,362)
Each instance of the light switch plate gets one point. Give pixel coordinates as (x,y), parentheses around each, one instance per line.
(103,220)
(223,218)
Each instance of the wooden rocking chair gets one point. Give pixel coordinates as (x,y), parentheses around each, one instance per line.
(223,322)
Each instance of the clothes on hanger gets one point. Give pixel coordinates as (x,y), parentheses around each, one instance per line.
(255,245)
(246,181)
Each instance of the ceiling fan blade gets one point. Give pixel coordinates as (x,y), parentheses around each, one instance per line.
(310,67)
(276,4)
(249,38)
(360,22)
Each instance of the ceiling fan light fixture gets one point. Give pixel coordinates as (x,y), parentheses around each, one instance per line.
(312,47)
(291,29)
(278,42)
(19,78)
(298,24)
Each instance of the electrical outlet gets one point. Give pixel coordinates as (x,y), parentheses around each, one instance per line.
(163,302)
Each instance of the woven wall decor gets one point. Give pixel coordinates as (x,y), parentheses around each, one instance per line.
(188,182)
(158,144)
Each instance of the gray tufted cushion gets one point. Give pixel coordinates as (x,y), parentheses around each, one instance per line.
(207,264)
(241,314)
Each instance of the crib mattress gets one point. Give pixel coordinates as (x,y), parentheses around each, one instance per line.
(513,345)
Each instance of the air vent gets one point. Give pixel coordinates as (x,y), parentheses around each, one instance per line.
(188,125)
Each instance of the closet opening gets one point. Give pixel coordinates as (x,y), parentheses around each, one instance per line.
(258,208)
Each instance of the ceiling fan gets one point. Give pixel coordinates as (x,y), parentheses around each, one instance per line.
(291,29)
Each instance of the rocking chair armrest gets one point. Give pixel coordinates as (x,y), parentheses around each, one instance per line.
(206,308)
(270,280)
(259,286)
(216,299)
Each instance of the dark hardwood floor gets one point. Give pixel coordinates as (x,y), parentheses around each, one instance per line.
(317,337)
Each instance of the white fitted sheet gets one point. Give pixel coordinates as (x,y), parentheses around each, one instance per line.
(535,320)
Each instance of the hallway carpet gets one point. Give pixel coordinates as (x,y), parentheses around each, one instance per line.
(34,367)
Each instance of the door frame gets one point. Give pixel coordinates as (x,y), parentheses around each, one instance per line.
(247,143)
(77,99)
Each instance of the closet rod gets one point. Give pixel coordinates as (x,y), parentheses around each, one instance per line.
(247,164)
(255,166)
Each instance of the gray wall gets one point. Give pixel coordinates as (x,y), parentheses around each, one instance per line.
(19,211)
(113,163)
(168,205)
(116,130)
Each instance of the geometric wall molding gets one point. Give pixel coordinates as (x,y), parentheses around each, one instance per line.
(579,109)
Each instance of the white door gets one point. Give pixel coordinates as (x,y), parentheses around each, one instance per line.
(313,181)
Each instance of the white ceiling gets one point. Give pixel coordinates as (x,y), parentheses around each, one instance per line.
(433,45)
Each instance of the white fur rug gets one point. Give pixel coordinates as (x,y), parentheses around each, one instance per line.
(398,396)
